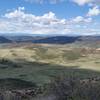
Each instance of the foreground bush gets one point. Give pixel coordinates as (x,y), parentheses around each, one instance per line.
(76,89)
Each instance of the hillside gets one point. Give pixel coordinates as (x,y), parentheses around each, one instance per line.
(4,40)
(23,38)
(31,70)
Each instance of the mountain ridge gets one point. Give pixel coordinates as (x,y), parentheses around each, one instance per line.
(49,39)
(4,40)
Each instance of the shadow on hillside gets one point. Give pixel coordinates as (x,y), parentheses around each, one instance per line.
(66,83)
(50,70)
(11,84)
(53,70)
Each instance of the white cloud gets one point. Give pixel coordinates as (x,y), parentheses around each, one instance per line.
(82,2)
(18,21)
(94,11)
(89,2)
(16,13)
(79,19)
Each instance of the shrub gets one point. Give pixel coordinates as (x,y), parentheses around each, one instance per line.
(9,64)
(76,89)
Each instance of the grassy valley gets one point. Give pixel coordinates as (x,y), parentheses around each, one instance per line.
(37,66)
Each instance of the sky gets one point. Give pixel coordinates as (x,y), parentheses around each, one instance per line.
(62,17)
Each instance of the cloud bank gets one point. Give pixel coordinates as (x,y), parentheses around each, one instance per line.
(18,21)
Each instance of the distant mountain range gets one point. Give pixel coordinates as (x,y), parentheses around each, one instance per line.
(49,39)
(4,40)
(57,40)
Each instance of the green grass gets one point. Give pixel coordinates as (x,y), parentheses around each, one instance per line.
(40,64)
(28,67)
(72,55)
(41,73)
(11,84)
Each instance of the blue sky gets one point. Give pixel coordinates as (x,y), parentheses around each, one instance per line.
(68,17)
(62,9)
